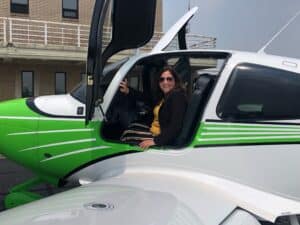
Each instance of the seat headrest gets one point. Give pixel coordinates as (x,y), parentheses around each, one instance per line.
(202,81)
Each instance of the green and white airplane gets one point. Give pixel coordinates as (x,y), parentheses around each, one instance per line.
(239,140)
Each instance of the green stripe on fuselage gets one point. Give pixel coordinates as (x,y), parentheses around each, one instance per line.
(214,133)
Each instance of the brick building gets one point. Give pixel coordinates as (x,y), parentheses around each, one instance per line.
(43,45)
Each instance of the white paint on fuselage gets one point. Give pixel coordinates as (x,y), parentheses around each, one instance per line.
(59,144)
(39,118)
(52,131)
(75,152)
(59,105)
(295,137)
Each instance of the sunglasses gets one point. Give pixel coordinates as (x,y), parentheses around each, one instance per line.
(169,79)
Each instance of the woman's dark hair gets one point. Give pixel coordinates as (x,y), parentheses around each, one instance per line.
(178,83)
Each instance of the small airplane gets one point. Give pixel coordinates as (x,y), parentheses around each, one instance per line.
(234,162)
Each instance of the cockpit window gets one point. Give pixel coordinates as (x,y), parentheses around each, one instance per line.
(79,92)
(256,92)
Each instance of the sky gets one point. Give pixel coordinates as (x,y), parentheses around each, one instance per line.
(242,24)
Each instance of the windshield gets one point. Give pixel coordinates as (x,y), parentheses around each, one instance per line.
(79,92)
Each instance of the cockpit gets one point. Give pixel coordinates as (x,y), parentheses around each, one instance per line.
(198,72)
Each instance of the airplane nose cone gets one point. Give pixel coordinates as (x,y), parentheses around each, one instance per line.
(10,111)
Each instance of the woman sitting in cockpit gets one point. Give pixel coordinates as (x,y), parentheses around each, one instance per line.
(168,113)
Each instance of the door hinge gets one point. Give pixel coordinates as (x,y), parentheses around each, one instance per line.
(90,80)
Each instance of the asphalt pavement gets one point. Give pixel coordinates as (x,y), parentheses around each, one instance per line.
(12,174)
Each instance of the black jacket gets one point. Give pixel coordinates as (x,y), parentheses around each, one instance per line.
(171,115)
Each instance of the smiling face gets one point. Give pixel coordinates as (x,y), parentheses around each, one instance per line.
(166,82)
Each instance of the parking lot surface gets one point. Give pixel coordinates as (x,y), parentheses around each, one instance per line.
(12,174)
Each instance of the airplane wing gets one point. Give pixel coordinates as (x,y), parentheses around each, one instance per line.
(104,203)
(146,189)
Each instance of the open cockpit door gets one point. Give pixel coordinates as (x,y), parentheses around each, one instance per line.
(178,28)
(132,27)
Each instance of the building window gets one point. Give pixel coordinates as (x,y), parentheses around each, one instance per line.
(70,9)
(19,6)
(27,84)
(60,83)
(256,92)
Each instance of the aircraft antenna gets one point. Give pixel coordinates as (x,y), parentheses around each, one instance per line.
(262,50)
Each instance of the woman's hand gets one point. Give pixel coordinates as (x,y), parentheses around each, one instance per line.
(124,87)
(146,143)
